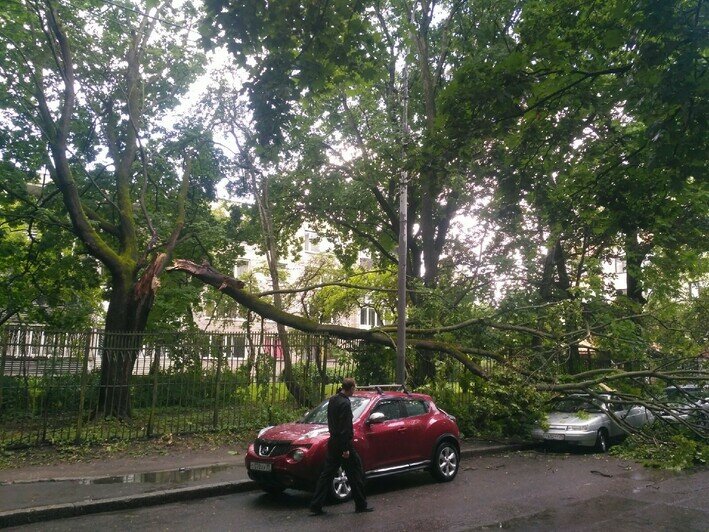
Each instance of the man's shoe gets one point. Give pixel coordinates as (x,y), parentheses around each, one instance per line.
(363,510)
(316,511)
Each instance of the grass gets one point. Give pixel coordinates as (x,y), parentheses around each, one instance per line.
(168,444)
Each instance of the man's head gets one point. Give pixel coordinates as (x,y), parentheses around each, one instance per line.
(348,386)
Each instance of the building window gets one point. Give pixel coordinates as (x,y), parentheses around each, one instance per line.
(243,266)
(235,346)
(369,317)
(618,266)
(311,242)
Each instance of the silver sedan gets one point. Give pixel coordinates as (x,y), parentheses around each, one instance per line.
(586,421)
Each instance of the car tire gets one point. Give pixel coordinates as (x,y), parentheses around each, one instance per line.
(446,462)
(340,489)
(601,441)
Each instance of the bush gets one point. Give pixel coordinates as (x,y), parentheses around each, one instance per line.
(31,396)
(502,407)
(675,452)
(312,380)
(374,364)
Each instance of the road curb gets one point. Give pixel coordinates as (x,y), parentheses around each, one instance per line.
(25,516)
(37,514)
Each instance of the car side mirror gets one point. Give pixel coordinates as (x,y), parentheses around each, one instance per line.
(377,417)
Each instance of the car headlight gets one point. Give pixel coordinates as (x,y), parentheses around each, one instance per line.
(298,454)
(577,427)
(264,430)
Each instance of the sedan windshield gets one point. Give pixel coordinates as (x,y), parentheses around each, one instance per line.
(318,415)
(575,404)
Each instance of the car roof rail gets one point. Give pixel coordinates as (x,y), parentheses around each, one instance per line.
(379,388)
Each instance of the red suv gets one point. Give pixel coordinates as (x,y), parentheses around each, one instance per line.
(394,432)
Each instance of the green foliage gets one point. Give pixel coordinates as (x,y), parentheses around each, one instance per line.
(44,278)
(677,452)
(36,396)
(504,407)
(309,47)
(374,364)
(313,381)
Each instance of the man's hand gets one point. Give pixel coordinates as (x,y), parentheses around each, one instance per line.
(346,455)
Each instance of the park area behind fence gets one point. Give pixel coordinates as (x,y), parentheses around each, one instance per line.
(51,386)
(54,387)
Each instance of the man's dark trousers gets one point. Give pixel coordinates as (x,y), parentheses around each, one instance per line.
(353,469)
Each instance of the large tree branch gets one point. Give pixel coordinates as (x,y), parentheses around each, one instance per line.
(61,172)
(234,289)
(688,375)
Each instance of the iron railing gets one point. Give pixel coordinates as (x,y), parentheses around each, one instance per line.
(67,386)
(60,386)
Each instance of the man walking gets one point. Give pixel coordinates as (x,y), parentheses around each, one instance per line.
(340,452)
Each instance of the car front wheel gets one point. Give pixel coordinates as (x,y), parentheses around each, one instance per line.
(445,462)
(601,441)
(340,490)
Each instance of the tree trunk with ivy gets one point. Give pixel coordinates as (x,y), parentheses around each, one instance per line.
(54,60)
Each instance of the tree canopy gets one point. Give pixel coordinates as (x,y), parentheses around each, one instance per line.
(542,142)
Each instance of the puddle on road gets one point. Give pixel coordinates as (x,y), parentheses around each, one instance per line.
(159,477)
(172,476)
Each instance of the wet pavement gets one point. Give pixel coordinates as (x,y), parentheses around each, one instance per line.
(41,493)
(51,491)
(526,490)
(593,515)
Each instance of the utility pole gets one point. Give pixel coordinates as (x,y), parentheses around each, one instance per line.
(403,229)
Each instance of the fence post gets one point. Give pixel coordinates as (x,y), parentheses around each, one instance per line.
(46,385)
(82,393)
(217,379)
(153,404)
(3,356)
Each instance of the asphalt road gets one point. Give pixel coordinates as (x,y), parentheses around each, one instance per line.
(518,491)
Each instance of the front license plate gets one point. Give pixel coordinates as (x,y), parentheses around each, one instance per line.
(260,466)
(552,436)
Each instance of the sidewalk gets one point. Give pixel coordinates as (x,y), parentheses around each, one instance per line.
(43,493)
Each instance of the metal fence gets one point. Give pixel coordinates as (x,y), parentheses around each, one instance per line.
(59,386)
(65,386)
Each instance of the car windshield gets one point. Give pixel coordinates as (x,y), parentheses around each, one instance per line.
(572,405)
(318,415)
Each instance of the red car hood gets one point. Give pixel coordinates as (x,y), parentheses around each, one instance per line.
(295,431)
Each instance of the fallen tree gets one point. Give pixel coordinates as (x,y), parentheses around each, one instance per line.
(579,383)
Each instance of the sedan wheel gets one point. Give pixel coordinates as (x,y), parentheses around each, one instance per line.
(446,462)
(601,441)
(341,489)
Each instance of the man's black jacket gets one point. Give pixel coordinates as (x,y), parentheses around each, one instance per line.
(339,422)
